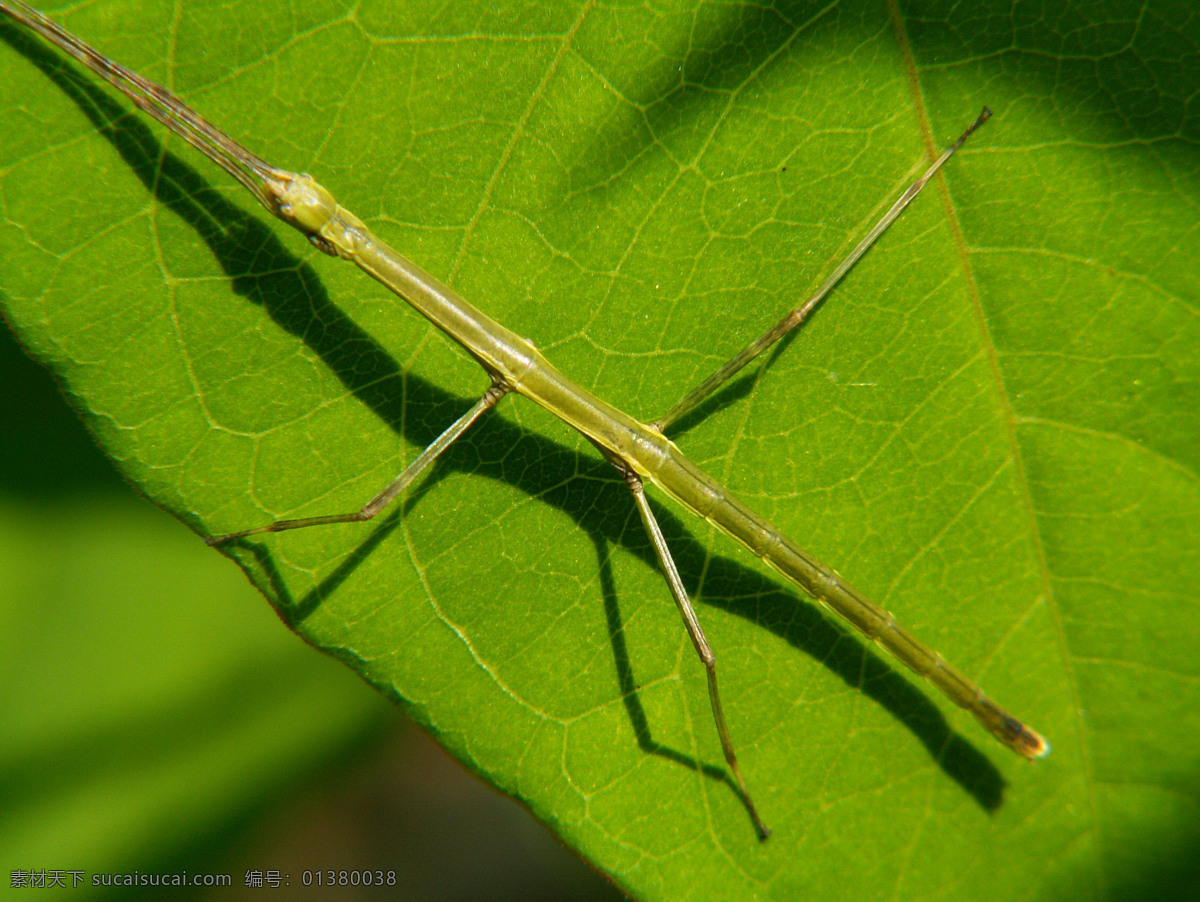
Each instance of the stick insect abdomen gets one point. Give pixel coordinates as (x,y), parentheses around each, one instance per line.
(692,487)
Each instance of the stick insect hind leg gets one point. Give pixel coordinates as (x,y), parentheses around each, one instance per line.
(797,316)
(692,623)
(695,397)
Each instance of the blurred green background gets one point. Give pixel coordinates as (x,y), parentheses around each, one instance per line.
(158,717)
(1082,238)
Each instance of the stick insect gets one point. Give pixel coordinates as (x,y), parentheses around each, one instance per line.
(639,452)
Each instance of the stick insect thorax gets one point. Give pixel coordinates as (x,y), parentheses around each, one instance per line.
(639,451)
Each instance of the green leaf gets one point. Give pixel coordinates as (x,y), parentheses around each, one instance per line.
(993,427)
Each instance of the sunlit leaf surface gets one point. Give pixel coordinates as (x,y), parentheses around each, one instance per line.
(993,427)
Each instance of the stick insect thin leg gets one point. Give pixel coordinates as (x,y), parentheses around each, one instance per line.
(797,316)
(695,632)
(394,488)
